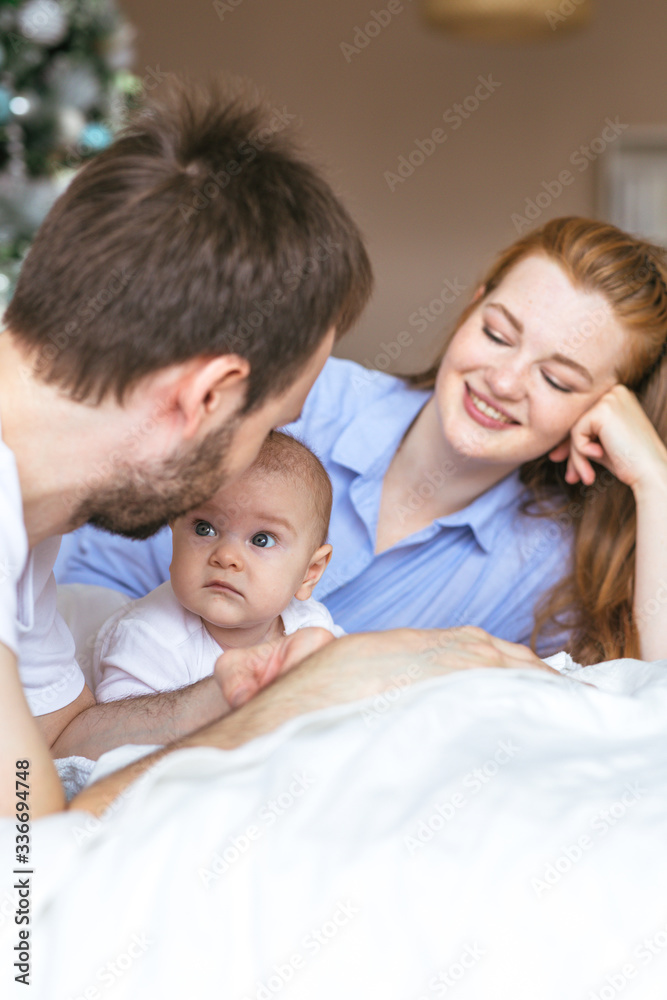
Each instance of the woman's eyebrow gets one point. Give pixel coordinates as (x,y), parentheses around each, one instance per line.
(562,358)
(517,324)
(571,363)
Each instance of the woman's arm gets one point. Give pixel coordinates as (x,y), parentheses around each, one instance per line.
(617,433)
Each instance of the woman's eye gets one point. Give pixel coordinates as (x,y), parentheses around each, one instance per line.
(204,528)
(262,540)
(493,337)
(554,385)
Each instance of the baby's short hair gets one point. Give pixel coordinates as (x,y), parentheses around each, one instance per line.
(284,455)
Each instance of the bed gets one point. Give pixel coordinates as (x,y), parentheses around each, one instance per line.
(487,835)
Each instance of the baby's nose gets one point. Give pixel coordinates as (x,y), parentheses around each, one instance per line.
(228,554)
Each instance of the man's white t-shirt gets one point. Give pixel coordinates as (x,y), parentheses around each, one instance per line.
(155,644)
(29,621)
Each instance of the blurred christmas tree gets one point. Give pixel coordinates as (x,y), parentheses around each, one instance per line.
(64,89)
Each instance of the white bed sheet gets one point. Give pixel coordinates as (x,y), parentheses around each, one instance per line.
(488,835)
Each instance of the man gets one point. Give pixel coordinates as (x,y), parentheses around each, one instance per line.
(177,304)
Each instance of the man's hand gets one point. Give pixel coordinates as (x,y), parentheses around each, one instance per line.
(380,657)
(241,673)
(354,667)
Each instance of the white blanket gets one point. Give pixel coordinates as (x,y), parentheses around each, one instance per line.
(489,835)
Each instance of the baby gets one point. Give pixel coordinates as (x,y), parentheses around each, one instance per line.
(243,570)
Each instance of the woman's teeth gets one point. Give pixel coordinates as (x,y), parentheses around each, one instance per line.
(487,410)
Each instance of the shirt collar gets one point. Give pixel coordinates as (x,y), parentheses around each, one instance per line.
(369,441)
(481,516)
(378,429)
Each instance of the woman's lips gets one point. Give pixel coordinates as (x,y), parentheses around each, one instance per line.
(472,402)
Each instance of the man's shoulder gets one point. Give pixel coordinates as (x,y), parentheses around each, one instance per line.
(13,546)
(12,528)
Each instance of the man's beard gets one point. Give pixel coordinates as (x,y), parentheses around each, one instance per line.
(142,501)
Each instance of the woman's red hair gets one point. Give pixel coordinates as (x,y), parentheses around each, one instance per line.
(595,599)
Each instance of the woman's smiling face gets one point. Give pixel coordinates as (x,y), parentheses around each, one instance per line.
(531,358)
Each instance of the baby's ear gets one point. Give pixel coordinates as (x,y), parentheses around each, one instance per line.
(316,567)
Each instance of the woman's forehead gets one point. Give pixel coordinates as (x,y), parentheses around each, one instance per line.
(553,312)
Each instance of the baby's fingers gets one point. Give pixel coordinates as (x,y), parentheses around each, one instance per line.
(241,673)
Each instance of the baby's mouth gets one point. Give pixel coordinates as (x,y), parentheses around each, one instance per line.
(222,585)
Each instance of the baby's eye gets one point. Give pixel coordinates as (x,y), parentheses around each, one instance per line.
(262,540)
(204,528)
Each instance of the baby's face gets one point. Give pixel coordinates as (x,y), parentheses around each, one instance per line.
(240,558)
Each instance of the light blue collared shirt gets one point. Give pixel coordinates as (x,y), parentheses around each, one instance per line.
(485,565)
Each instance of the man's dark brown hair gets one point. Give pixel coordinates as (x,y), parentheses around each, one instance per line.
(199,232)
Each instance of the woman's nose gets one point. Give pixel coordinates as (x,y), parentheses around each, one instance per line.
(506,381)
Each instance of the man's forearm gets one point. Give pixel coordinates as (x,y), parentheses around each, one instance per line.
(354,667)
(156,718)
(316,683)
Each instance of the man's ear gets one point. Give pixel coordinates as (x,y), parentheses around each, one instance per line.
(561,451)
(318,563)
(210,386)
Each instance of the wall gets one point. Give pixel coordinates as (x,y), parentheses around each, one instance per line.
(360,111)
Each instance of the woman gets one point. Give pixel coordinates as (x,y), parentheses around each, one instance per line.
(549,398)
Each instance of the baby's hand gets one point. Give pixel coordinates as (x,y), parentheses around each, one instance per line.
(242,673)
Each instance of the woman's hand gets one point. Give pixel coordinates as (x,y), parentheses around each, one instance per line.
(617,434)
(241,673)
